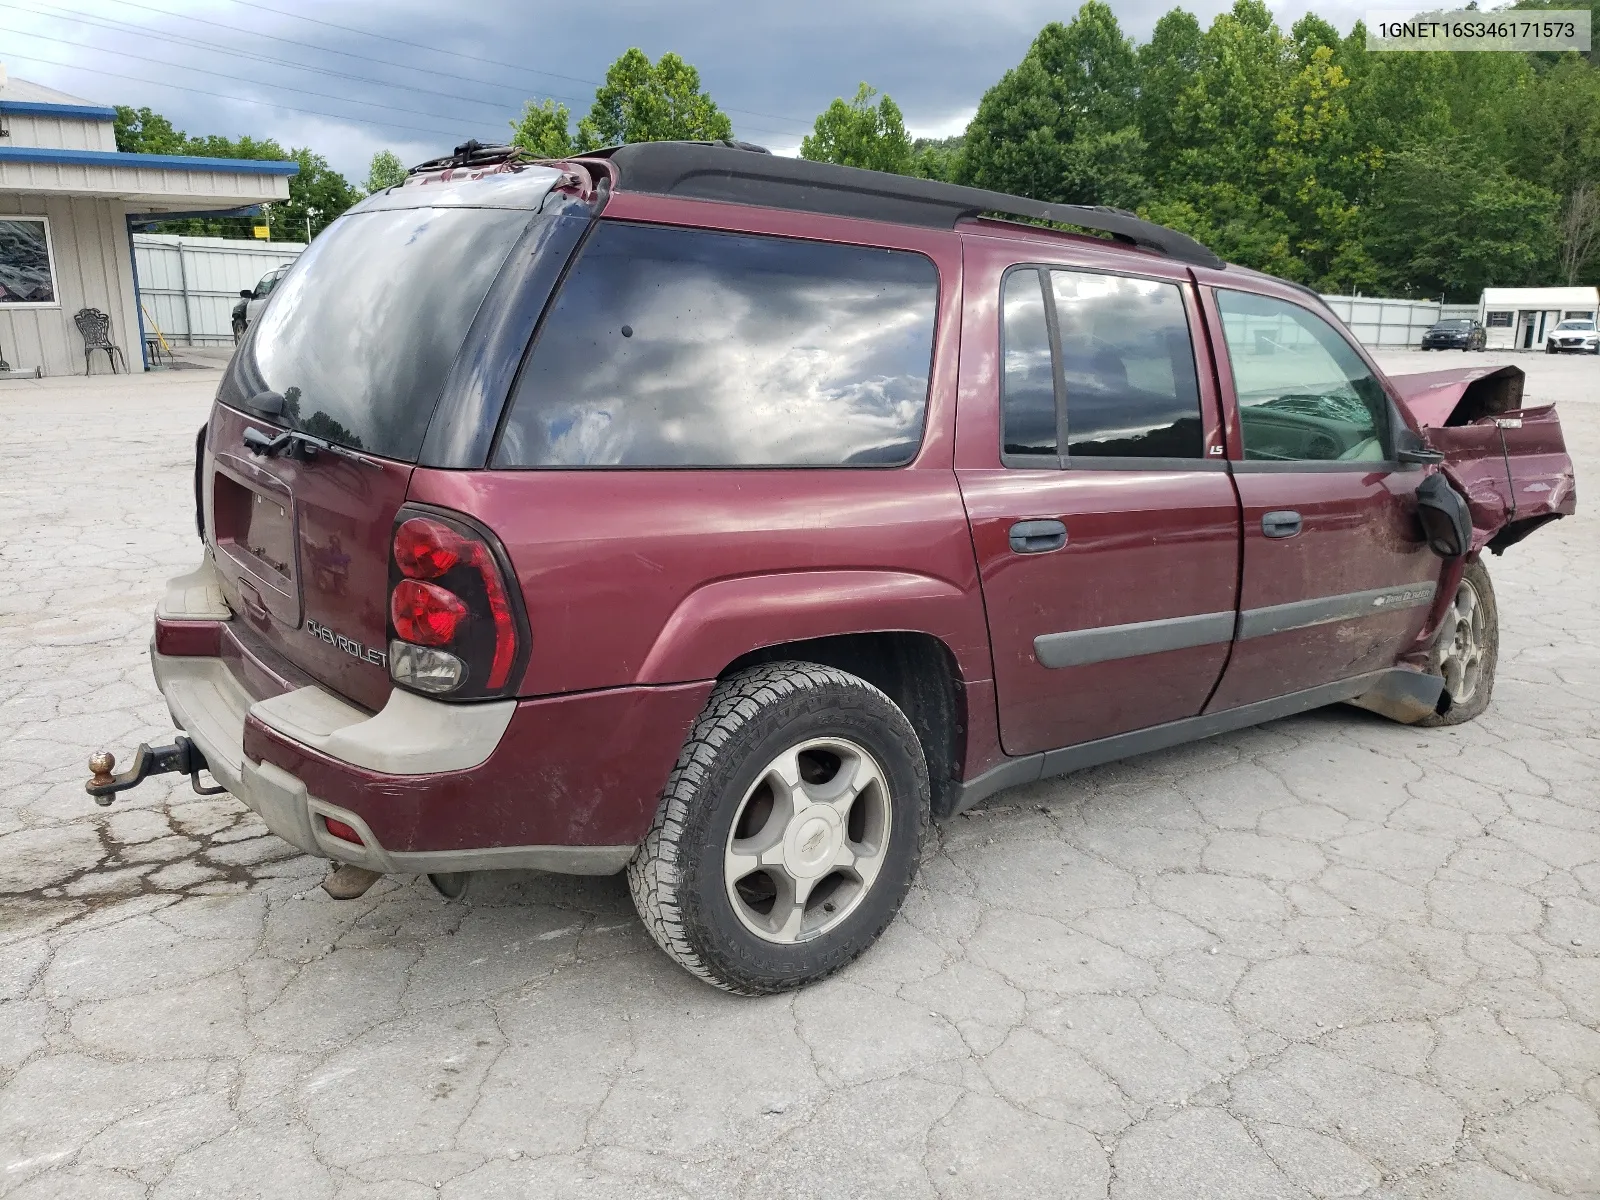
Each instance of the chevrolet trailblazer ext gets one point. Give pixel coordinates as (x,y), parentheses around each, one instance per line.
(723,518)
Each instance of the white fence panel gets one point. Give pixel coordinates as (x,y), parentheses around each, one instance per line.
(1381,322)
(189,285)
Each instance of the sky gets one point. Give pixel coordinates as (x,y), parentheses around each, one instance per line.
(351,77)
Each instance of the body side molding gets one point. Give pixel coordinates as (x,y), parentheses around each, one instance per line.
(1029,768)
(1325,610)
(1079,647)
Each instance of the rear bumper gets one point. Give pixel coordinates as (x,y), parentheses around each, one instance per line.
(568,784)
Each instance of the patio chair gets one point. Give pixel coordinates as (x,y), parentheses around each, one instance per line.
(95,326)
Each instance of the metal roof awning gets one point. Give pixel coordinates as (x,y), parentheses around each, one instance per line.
(149,182)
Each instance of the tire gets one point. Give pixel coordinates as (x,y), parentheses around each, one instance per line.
(695,879)
(1471,625)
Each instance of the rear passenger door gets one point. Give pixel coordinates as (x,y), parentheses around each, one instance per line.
(1089,454)
(1337,580)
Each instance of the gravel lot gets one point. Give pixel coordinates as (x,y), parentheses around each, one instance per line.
(1328,957)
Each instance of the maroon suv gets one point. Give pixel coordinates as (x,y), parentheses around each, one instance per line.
(723,518)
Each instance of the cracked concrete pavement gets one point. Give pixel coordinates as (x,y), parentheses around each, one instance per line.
(1327,957)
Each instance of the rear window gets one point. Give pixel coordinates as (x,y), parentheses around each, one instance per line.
(362,331)
(671,347)
(1125,366)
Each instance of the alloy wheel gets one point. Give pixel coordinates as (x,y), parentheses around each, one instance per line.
(808,840)
(1462,638)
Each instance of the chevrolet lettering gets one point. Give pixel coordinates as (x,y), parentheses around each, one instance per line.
(349,645)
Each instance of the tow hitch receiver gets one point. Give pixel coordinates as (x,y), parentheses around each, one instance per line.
(183,756)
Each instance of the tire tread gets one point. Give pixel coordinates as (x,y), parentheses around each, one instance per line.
(654,874)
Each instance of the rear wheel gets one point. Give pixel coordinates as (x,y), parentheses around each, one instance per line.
(1467,649)
(789,831)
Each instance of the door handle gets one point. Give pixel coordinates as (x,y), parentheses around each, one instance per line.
(1283,523)
(1038,537)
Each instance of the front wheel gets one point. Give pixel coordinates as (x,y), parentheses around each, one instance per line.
(788,832)
(1467,649)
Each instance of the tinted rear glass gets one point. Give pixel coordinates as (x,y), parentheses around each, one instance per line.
(1129,367)
(671,347)
(361,332)
(1028,390)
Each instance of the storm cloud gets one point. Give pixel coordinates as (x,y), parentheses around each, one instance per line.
(414,77)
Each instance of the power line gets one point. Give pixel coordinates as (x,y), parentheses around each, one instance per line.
(114,26)
(451,133)
(454,77)
(407,67)
(475,58)
(160,62)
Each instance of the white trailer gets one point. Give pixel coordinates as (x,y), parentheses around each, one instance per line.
(1519,318)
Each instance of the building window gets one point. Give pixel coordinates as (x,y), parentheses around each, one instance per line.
(1499,320)
(1577,316)
(27,269)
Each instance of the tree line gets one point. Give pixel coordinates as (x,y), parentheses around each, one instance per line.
(1296,152)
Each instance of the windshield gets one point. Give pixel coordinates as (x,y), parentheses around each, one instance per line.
(1454,325)
(1576,326)
(360,334)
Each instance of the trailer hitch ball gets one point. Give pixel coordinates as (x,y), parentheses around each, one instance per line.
(100,767)
(182,757)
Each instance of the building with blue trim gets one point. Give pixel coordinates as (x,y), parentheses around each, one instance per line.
(67,199)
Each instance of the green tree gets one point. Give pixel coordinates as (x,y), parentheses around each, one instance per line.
(861,134)
(938,158)
(1166,64)
(642,101)
(1060,125)
(140,131)
(385,171)
(1449,220)
(318,196)
(544,129)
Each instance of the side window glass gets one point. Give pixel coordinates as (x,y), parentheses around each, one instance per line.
(1129,367)
(1303,393)
(268,282)
(1027,393)
(671,347)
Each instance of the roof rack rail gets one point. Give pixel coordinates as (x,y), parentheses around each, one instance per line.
(471,153)
(723,171)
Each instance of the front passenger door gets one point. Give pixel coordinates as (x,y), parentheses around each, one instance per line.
(1337,580)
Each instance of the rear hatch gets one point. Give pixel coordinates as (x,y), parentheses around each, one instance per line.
(354,349)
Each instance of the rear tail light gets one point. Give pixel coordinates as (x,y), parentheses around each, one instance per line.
(455,626)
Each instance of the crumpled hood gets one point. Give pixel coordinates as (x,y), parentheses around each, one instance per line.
(1510,462)
(1462,395)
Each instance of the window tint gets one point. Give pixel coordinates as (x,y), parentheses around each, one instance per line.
(1028,394)
(1303,393)
(1128,365)
(675,347)
(372,315)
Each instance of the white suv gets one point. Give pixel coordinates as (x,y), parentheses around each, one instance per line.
(1573,335)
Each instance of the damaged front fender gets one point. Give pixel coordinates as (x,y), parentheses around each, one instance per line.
(1510,462)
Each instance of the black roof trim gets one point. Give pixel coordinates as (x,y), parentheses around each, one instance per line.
(712,171)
